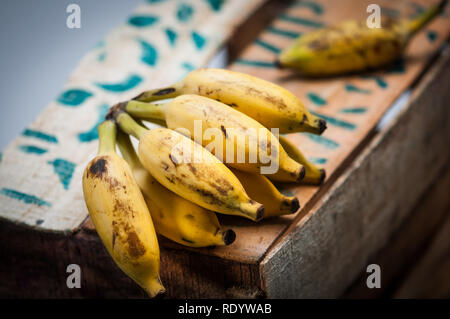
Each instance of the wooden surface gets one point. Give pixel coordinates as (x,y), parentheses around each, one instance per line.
(407,248)
(317,252)
(325,251)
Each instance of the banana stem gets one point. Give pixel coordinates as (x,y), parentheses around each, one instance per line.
(107,137)
(127,150)
(145,110)
(129,126)
(160,94)
(416,24)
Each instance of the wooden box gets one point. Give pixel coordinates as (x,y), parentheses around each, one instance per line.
(388,174)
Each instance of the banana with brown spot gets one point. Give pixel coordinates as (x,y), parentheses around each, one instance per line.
(189,170)
(262,190)
(268,103)
(175,217)
(352,46)
(120,215)
(242,142)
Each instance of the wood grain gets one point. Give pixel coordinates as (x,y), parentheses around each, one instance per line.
(326,250)
(408,245)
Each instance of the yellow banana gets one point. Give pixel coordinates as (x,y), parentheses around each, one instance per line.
(266,102)
(237,139)
(120,215)
(189,170)
(262,190)
(313,174)
(352,46)
(174,217)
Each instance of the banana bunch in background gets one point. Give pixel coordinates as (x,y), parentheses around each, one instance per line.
(181,176)
(352,46)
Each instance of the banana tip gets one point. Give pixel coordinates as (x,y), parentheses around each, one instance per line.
(228,237)
(323,174)
(302,174)
(295,205)
(322,126)
(278,64)
(160,295)
(259,213)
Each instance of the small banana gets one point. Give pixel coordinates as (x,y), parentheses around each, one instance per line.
(266,102)
(242,142)
(189,170)
(174,217)
(120,215)
(352,46)
(262,190)
(313,174)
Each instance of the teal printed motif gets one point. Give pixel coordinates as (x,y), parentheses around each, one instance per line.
(40,135)
(188,66)
(1,157)
(353,88)
(319,139)
(283,32)
(318,160)
(336,122)
(284,190)
(301,21)
(216,5)
(432,35)
(315,7)
(155,1)
(172,36)
(142,21)
(31,149)
(317,100)
(263,64)
(64,169)
(268,46)
(92,134)
(184,12)
(149,54)
(101,57)
(129,83)
(199,40)
(354,110)
(74,97)
(379,80)
(26,198)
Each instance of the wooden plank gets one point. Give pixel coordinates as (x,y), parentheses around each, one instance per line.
(430,277)
(40,171)
(347,131)
(327,249)
(406,247)
(320,257)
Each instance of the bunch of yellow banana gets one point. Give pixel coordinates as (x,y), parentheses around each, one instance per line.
(181,176)
(120,214)
(352,46)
